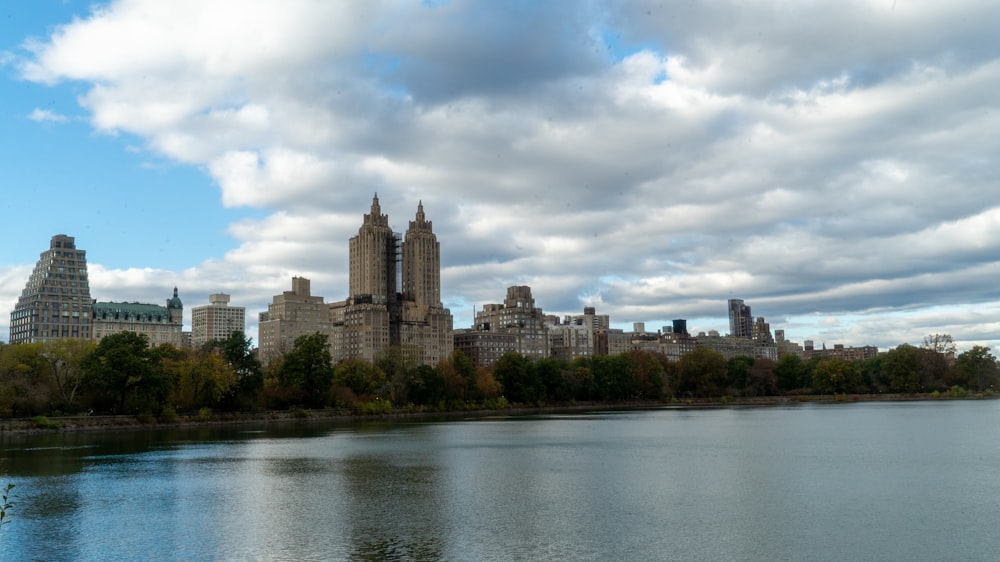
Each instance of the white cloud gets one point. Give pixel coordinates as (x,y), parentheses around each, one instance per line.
(826,158)
(46,116)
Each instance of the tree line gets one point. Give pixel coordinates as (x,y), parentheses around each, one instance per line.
(123,374)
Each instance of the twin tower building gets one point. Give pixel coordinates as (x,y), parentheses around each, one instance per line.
(394,301)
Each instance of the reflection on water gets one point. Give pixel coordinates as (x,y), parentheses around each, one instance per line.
(847,482)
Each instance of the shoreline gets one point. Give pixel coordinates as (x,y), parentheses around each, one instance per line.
(83,423)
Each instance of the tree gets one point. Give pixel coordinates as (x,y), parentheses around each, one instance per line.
(25,388)
(761,379)
(64,357)
(515,374)
(119,366)
(836,376)
(702,372)
(738,369)
(202,378)
(425,385)
(790,372)
(901,369)
(648,373)
(237,351)
(307,370)
(978,367)
(940,343)
(396,366)
(361,377)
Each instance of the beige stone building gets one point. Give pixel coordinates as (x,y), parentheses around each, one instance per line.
(290,315)
(161,324)
(216,321)
(519,317)
(395,294)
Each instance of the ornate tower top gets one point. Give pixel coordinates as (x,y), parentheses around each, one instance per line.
(421,224)
(175,302)
(376,217)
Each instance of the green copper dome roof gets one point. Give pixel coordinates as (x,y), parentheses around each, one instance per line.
(175,302)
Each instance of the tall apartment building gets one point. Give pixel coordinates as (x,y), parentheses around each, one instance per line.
(518,316)
(395,293)
(290,315)
(216,321)
(161,324)
(740,319)
(55,302)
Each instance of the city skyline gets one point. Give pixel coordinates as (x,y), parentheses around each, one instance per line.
(652,161)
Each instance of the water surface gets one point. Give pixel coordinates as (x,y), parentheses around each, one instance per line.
(870,481)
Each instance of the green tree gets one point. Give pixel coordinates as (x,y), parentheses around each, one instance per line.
(396,365)
(901,369)
(551,374)
(237,352)
(613,378)
(307,370)
(203,379)
(120,366)
(515,374)
(790,372)
(738,369)
(425,385)
(978,368)
(702,372)
(836,376)
(25,387)
(362,378)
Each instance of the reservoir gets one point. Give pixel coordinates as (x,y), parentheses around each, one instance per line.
(862,481)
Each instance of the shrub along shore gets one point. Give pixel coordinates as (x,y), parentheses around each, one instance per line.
(43,424)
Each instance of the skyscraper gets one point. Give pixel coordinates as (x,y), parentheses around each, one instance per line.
(55,302)
(377,315)
(216,321)
(740,319)
(290,315)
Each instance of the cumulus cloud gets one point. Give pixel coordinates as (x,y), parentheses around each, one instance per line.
(46,116)
(814,158)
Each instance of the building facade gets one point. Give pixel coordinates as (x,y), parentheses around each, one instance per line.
(395,294)
(740,319)
(55,302)
(290,315)
(216,321)
(161,324)
(519,317)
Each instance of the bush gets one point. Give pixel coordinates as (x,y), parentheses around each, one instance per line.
(375,407)
(168,415)
(205,413)
(45,423)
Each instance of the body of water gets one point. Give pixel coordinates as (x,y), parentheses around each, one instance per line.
(868,481)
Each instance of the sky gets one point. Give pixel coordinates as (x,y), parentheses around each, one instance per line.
(833,164)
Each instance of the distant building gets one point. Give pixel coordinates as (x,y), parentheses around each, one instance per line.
(395,294)
(740,319)
(730,347)
(216,321)
(839,351)
(55,302)
(484,348)
(517,317)
(290,315)
(161,324)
